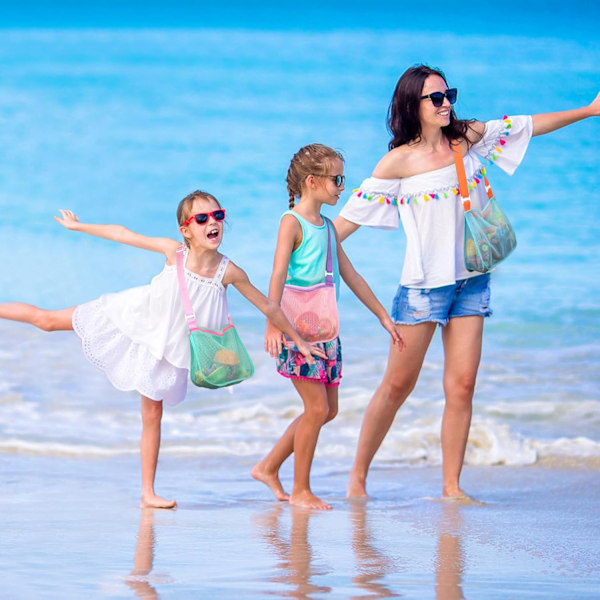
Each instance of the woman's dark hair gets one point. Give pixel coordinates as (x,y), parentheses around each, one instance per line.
(403,114)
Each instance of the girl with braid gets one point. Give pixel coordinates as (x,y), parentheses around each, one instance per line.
(315,177)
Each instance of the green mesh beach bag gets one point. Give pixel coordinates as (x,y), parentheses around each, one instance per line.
(218,358)
(489,236)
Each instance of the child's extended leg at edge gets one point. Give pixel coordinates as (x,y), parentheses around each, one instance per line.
(62,320)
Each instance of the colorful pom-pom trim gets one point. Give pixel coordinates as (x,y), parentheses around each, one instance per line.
(385,199)
(500,141)
(473,182)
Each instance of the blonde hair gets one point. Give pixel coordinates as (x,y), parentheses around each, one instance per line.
(184,209)
(314,159)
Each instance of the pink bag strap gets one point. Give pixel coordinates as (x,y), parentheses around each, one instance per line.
(188,309)
(329,263)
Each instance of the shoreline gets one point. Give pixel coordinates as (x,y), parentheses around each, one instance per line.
(72,528)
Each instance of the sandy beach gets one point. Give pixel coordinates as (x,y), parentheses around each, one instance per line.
(119,119)
(72,529)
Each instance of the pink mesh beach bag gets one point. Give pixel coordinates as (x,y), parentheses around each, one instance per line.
(313,310)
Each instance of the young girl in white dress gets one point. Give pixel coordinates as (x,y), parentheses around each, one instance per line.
(139,337)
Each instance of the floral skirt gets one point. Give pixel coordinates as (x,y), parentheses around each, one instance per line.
(292,364)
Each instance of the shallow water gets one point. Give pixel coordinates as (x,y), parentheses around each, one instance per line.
(120,124)
(536,536)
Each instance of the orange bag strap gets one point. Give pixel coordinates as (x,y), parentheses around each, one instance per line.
(462,178)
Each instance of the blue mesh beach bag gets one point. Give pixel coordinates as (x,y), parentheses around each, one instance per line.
(218,358)
(489,236)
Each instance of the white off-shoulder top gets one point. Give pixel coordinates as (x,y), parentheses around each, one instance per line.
(430,208)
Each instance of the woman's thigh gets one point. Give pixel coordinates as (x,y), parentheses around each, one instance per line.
(462,339)
(404,366)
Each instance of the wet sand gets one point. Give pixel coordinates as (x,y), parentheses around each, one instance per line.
(71,528)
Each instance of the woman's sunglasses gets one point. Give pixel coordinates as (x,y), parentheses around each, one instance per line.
(337,179)
(201,218)
(437,98)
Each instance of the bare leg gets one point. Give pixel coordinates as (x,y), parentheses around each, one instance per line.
(149,446)
(400,377)
(267,470)
(47,320)
(462,339)
(316,409)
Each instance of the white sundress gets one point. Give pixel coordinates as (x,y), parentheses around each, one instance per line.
(430,208)
(139,337)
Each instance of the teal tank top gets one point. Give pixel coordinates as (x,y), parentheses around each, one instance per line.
(307,262)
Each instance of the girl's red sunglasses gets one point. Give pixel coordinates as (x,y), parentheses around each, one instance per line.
(202,218)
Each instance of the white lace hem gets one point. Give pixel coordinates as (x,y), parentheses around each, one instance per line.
(127,364)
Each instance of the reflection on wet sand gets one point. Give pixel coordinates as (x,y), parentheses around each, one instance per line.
(375,574)
(371,564)
(141,580)
(295,567)
(450,562)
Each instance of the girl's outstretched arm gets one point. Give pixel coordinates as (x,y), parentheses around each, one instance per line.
(364,293)
(117,233)
(271,309)
(547,122)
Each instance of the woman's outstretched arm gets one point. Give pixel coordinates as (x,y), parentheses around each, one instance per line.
(547,122)
(344,228)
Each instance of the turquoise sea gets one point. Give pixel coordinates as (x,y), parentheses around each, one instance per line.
(118,115)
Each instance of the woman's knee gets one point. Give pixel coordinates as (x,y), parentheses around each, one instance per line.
(396,389)
(460,389)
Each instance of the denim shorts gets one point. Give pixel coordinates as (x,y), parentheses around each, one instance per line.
(465,298)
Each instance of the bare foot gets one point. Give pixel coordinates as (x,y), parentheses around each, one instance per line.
(271,480)
(461,498)
(154,501)
(357,487)
(308,500)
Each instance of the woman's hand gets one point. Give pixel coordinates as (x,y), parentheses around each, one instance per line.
(68,219)
(397,337)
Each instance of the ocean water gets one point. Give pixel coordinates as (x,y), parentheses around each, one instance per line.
(119,124)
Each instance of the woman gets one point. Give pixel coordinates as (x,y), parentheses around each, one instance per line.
(416,182)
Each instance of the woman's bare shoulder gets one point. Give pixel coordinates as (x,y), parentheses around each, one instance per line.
(394,165)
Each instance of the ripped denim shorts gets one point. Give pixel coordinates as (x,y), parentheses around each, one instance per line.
(465,298)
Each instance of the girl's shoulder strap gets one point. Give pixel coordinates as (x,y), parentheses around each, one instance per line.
(218,278)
